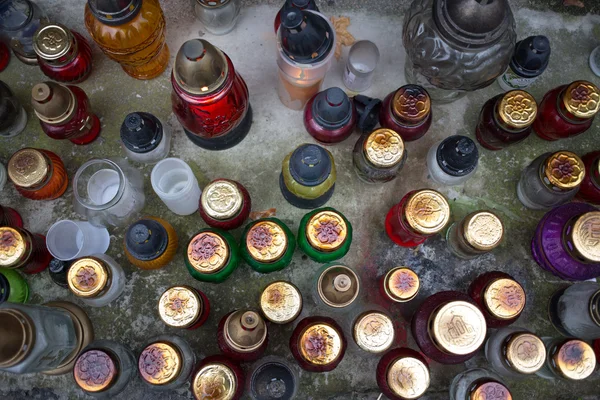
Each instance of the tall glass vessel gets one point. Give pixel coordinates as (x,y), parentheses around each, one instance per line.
(19,20)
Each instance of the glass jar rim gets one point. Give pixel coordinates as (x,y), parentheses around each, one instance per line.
(98,207)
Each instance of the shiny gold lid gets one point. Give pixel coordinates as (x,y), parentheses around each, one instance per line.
(95,371)
(28,167)
(326,231)
(586,236)
(458,327)
(245,330)
(53,103)
(320,344)
(160,363)
(266,241)
(179,306)
(222,199)
(411,103)
(427,211)
(52,42)
(582,99)
(373,332)
(517,109)
(214,381)
(574,359)
(200,68)
(504,298)
(408,377)
(564,170)
(490,390)
(483,230)
(88,277)
(384,148)
(525,352)
(208,252)
(281,302)
(401,284)
(13,246)
(338,286)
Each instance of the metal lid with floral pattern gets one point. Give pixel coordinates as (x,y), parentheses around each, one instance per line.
(266,241)
(96,370)
(411,104)
(574,359)
(320,344)
(373,332)
(408,377)
(517,109)
(489,390)
(222,199)
(401,284)
(52,42)
(564,169)
(88,277)
(326,230)
(28,168)
(281,302)
(214,381)
(504,298)
(525,352)
(160,363)
(13,247)
(586,236)
(582,99)
(208,252)
(384,148)
(427,211)
(180,306)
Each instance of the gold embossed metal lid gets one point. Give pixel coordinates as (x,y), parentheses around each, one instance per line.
(214,381)
(411,103)
(504,298)
(564,170)
(373,332)
(517,109)
(88,277)
(95,370)
(525,352)
(266,241)
(160,363)
(208,252)
(586,236)
(320,344)
(13,246)
(408,377)
(574,359)
(401,284)
(582,99)
(338,286)
(245,330)
(180,307)
(384,148)
(483,230)
(281,302)
(458,328)
(490,390)
(52,42)
(427,211)
(28,167)
(326,231)
(222,199)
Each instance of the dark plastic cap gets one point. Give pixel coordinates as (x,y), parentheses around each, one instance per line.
(146,239)
(115,12)
(273,381)
(457,155)
(4,289)
(305,37)
(332,109)
(310,165)
(58,271)
(368,112)
(141,132)
(531,56)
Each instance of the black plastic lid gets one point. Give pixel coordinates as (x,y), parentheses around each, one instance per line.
(4,289)
(457,155)
(58,271)
(332,109)
(368,112)
(531,56)
(300,5)
(115,12)
(310,165)
(146,239)
(273,380)
(141,132)
(305,36)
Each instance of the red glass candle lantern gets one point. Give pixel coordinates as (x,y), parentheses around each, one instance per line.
(500,297)
(242,335)
(4,56)
(407,111)
(225,204)
(10,217)
(589,190)
(567,110)
(21,249)
(399,366)
(183,307)
(38,174)
(210,99)
(329,116)
(65,112)
(218,377)
(63,55)
(318,344)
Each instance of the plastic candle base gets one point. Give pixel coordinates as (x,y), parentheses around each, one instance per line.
(226,141)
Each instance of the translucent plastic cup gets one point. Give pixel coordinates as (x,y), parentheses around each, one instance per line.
(174,182)
(67,240)
(360,66)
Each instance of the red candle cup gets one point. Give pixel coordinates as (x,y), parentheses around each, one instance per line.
(220,376)
(318,344)
(21,249)
(38,174)
(10,217)
(407,111)
(4,56)
(330,116)
(589,190)
(225,204)
(500,297)
(242,335)
(183,307)
(401,365)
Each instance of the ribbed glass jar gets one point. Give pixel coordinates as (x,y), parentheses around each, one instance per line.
(38,174)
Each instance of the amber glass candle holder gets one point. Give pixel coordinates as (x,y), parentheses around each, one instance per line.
(403,365)
(150,243)
(242,335)
(212,255)
(38,174)
(21,249)
(183,307)
(325,235)
(225,204)
(318,344)
(407,111)
(501,298)
(267,245)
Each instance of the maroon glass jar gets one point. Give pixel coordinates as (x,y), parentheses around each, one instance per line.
(221,374)
(399,366)
(21,249)
(318,344)
(183,307)
(4,56)
(589,190)
(330,116)
(407,111)
(225,204)
(500,297)
(242,335)
(10,217)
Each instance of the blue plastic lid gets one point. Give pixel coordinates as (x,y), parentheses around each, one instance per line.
(310,165)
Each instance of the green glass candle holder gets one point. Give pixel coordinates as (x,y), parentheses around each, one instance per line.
(325,235)
(15,285)
(212,255)
(267,245)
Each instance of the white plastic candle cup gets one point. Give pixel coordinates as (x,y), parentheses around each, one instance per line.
(67,240)
(174,182)
(360,66)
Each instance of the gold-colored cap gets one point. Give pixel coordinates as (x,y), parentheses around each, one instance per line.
(408,377)
(326,231)
(517,109)
(411,103)
(373,332)
(525,352)
(160,363)
(180,307)
(208,252)
(222,199)
(52,42)
(338,286)
(281,302)
(574,359)
(582,99)
(13,246)
(88,277)
(245,330)
(320,344)
(53,103)
(266,241)
(427,211)
(214,381)
(458,327)
(200,68)
(483,230)
(384,148)
(401,284)
(490,390)
(28,167)
(586,236)
(95,371)
(504,298)
(564,170)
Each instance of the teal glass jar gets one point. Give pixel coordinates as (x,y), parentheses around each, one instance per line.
(267,245)
(325,235)
(13,287)
(212,255)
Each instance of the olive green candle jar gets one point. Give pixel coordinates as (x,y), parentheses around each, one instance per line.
(13,287)
(212,255)
(267,245)
(325,235)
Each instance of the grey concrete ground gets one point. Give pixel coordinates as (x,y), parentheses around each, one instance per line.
(256,162)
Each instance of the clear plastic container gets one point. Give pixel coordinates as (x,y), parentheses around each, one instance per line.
(174,182)
(576,310)
(217,16)
(363,58)
(67,240)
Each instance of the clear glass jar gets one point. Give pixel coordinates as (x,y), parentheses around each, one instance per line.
(13,117)
(176,185)
(97,280)
(272,378)
(145,138)
(453,160)
(217,16)
(108,192)
(568,359)
(468,384)
(379,156)
(166,363)
(575,311)
(19,20)
(514,352)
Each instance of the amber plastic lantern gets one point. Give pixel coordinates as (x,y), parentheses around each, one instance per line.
(21,249)
(407,111)
(318,344)
(150,243)
(242,335)
(38,174)
(218,378)
(398,367)
(183,307)
(225,204)
(210,99)
(589,190)
(501,298)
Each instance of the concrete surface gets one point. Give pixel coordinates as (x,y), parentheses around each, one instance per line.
(256,163)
